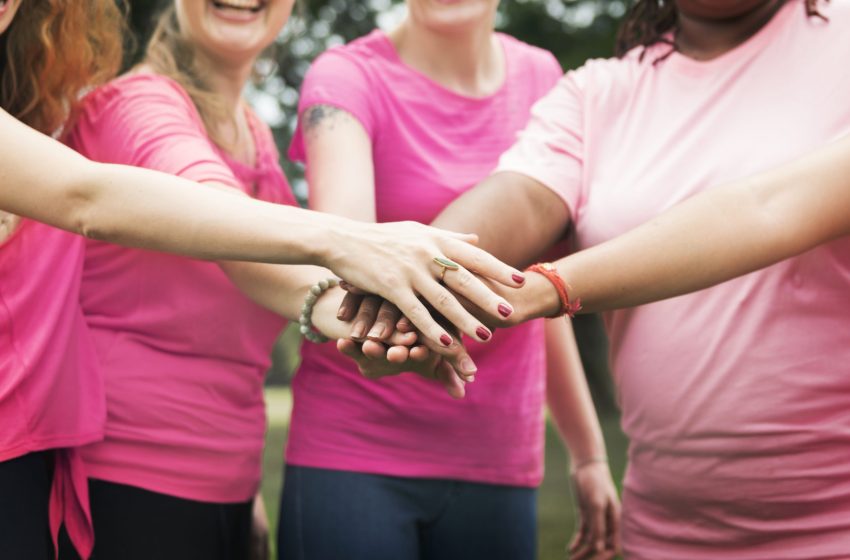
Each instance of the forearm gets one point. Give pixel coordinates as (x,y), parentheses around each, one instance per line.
(720,234)
(45,180)
(515,217)
(568,396)
(282,289)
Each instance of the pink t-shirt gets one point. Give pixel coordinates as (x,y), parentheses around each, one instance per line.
(736,399)
(51,390)
(430,145)
(184,353)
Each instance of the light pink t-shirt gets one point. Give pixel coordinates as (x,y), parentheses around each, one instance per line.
(430,145)
(736,399)
(184,353)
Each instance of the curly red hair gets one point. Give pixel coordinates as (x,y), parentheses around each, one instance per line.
(52,52)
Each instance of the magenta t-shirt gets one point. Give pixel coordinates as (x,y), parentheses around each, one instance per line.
(429,145)
(736,399)
(183,351)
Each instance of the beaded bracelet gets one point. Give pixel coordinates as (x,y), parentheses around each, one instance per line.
(549,271)
(306,319)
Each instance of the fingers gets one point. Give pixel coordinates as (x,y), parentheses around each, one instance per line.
(467,285)
(366,317)
(349,306)
(384,327)
(418,315)
(614,527)
(598,528)
(484,264)
(451,380)
(449,307)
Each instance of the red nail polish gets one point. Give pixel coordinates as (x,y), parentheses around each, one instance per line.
(504,310)
(446,340)
(483,333)
(518,278)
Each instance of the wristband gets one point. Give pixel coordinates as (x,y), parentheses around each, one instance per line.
(549,271)
(306,320)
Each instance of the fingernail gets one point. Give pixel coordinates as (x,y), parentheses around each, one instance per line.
(377,331)
(446,340)
(518,278)
(344,285)
(468,366)
(483,333)
(340,314)
(359,330)
(504,310)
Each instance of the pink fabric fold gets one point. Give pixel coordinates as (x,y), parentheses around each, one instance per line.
(69,503)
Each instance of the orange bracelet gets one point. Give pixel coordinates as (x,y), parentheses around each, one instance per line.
(551,273)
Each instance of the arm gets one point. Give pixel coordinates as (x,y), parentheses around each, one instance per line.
(712,237)
(572,411)
(147,209)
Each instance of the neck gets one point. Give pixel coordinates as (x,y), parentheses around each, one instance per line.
(469,62)
(705,38)
(228,81)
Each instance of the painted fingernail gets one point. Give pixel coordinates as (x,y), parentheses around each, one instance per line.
(468,366)
(483,333)
(518,278)
(377,331)
(505,310)
(446,340)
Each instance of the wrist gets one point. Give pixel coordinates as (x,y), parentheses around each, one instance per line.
(582,463)
(537,299)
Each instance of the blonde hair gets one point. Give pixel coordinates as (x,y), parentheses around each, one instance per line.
(171,54)
(52,52)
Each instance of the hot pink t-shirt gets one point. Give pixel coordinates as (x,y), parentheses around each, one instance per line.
(184,353)
(51,392)
(736,399)
(430,145)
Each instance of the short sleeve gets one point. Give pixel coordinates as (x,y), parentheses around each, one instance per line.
(145,120)
(551,147)
(340,79)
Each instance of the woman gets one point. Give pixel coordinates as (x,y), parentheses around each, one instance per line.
(731,396)
(51,399)
(395,126)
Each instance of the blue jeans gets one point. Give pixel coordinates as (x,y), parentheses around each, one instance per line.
(341,515)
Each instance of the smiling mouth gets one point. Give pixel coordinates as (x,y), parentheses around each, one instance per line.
(252,6)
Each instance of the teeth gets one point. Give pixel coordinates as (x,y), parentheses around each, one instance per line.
(235,4)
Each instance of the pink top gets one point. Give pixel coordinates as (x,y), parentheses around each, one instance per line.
(51,391)
(735,399)
(430,145)
(184,353)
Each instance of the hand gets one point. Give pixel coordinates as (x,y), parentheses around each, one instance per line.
(396,261)
(259,530)
(598,535)
(376,360)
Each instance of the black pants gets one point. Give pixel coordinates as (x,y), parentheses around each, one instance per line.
(135,524)
(340,515)
(24,495)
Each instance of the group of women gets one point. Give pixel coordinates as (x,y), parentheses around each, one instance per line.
(131,376)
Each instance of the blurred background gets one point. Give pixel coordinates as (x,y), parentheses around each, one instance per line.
(572,30)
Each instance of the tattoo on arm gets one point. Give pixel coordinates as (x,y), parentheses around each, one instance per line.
(323,114)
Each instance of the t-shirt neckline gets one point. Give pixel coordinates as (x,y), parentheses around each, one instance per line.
(751,44)
(396,59)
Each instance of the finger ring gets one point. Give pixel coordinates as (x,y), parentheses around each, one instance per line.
(445,264)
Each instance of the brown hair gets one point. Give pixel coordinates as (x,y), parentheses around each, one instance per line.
(169,53)
(650,21)
(54,50)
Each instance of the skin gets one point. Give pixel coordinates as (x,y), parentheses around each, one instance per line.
(453,44)
(144,209)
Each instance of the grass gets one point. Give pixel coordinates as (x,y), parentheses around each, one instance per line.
(556,513)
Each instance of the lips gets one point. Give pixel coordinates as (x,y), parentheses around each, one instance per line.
(241,5)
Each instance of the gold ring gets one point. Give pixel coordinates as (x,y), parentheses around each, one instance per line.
(445,264)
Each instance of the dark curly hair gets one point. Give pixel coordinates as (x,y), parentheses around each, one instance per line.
(650,21)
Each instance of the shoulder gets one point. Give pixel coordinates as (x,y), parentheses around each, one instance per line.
(139,96)
(529,56)
(363,55)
